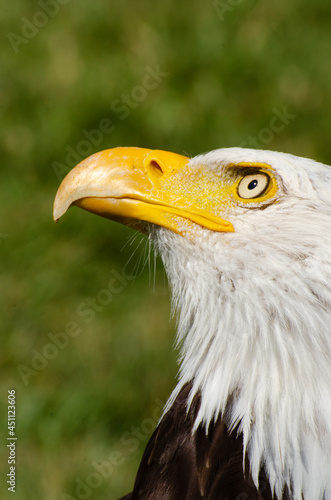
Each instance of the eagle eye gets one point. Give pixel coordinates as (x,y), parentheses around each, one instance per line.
(253,185)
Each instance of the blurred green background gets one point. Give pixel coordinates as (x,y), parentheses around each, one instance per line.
(81,76)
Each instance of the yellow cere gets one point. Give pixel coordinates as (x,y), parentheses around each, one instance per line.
(208,192)
(198,186)
(216,192)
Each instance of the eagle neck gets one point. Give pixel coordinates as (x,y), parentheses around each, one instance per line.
(257,348)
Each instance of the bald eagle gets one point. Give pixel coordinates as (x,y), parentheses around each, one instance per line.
(245,238)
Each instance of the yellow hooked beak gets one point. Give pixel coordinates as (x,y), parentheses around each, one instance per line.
(130,185)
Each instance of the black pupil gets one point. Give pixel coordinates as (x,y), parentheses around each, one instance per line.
(253,184)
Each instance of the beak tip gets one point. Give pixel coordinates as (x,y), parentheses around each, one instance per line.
(59,209)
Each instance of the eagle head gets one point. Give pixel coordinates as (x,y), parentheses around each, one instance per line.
(245,237)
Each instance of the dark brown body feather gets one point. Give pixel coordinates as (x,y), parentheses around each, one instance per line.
(180,465)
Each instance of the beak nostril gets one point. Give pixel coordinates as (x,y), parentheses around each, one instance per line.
(156,168)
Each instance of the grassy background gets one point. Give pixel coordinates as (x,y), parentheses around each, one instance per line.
(227,67)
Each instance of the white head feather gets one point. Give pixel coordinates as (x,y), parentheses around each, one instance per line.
(255,321)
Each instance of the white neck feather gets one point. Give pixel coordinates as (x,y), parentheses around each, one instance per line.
(255,324)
